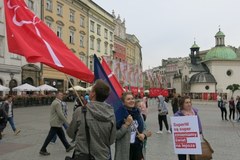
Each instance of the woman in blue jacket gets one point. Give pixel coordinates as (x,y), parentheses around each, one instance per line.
(130,136)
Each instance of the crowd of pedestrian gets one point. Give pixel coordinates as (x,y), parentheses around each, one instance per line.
(233,107)
(6,115)
(93,127)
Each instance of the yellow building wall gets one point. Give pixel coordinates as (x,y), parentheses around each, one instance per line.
(130,52)
(79,9)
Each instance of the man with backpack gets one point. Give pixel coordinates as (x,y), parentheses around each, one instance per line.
(94,126)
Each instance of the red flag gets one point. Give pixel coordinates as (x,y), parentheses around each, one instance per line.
(117,86)
(28,36)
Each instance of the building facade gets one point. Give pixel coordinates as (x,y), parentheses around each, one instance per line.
(31,73)
(210,71)
(14,70)
(134,57)
(101,32)
(69,20)
(119,39)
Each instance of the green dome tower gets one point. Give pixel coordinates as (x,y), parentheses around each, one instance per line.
(220,51)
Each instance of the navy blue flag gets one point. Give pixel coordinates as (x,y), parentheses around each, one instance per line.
(113,99)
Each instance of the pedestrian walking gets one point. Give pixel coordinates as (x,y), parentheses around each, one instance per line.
(8,108)
(162,114)
(238,108)
(94,125)
(144,107)
(175,103)
(65,113)
(186,109)
(222,105)
(3,121)
(57,119)
(231,109)
(130,133)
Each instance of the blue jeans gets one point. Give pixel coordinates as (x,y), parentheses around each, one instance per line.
(11,121)
(55,136)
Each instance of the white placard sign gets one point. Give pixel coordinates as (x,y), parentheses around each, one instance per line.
(186,137)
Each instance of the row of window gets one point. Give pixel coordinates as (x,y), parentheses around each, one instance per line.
(106,46)
(12,56)
(59,11)
(99,31)
(59,32)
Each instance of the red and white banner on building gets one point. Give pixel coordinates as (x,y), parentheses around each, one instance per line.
(123,68)
(130,74)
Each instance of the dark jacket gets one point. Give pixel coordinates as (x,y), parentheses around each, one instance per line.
(5,107)
(231,104)
(3,119)
(122,145)
(175,104)
(102,128)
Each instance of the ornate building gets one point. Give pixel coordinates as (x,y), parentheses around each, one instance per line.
(101,32)
(14,70)
(119,39)
(134,54)
(210,73)
(69,20)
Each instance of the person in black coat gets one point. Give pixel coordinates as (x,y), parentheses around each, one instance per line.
(3,121)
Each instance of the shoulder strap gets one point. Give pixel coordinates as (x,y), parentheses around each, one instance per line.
(84,110)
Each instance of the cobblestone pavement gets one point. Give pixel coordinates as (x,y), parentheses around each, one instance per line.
(224,136)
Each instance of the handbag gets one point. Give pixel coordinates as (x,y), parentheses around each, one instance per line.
(84,156)
(207,151)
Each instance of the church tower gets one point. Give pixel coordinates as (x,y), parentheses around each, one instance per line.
(194,53)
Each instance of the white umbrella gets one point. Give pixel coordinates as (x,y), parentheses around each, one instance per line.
(3,88)
(46,87)
(77,88)
(146,91)
(89,88)
(25,87)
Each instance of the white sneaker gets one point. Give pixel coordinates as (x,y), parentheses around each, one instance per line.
(169,131)
(159,132)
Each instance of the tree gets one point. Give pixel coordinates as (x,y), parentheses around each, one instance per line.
(233,88)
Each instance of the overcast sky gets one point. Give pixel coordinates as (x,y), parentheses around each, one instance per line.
(166,28)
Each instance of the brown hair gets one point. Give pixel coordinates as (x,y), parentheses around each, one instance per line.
(101,89)
(182,100)
(137,101)
(124,95)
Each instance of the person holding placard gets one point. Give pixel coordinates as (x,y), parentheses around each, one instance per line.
(186,109)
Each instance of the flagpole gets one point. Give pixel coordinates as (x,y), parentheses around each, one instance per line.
(82,104)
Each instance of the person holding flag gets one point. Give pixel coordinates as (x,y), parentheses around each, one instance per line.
(30,37)
(94,125)
(130,136)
